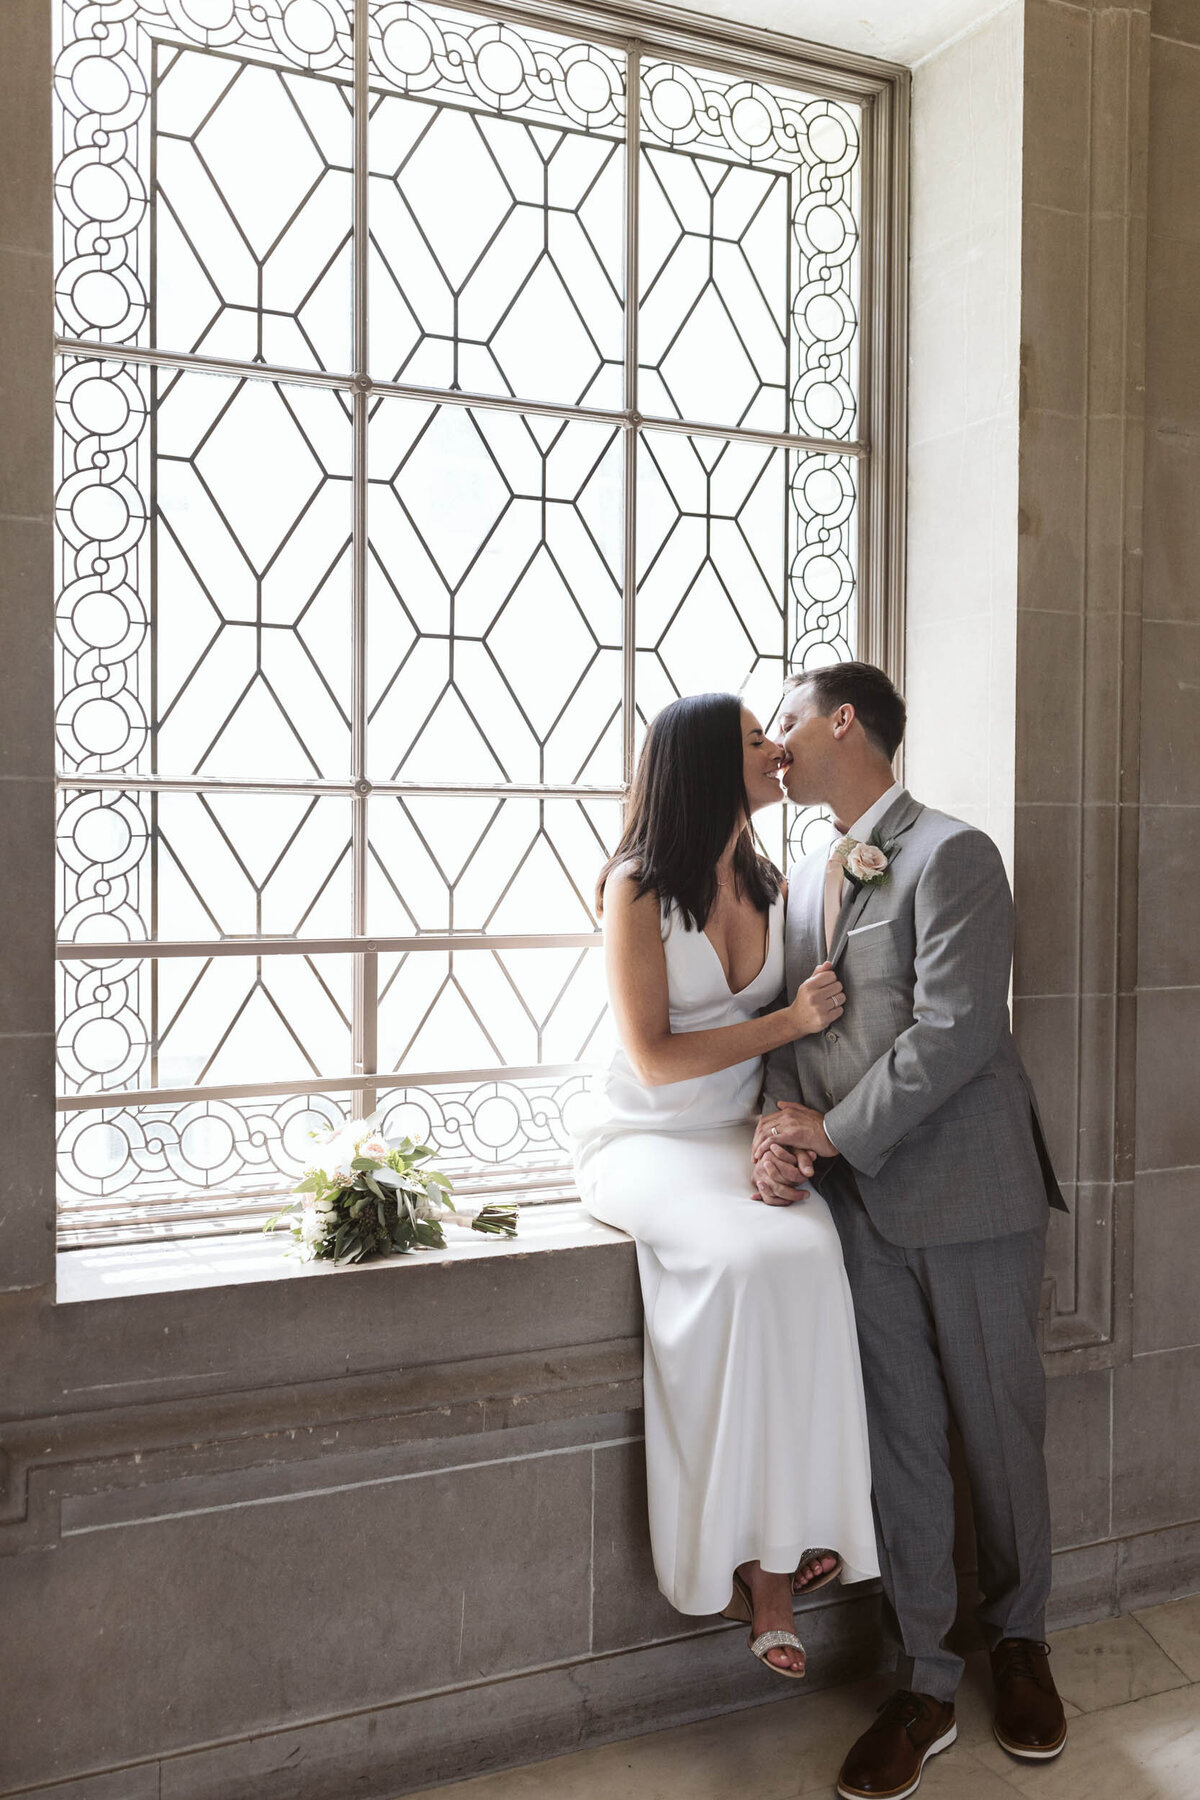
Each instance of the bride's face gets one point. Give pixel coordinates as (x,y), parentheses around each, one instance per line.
(761,762)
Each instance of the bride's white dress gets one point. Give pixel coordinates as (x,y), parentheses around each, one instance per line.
(756,1438)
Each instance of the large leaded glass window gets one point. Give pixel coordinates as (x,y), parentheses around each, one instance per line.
(437,397)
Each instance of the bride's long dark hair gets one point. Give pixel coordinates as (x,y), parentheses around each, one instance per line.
(687,798)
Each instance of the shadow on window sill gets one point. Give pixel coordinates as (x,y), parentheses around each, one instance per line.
(164,1267)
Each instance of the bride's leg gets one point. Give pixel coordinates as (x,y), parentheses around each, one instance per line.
(750,1359)
(772,1599)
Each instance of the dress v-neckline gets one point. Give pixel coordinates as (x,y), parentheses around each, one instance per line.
(735,993)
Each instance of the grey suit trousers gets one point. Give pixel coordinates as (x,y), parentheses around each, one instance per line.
(949,1331)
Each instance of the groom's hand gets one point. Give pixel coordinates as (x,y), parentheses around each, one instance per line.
(778,1177)
(795,1127)
(779,1170)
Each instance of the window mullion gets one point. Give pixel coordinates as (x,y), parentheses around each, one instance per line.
(364,1026)
(629,499)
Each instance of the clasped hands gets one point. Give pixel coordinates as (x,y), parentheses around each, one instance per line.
(786,1145)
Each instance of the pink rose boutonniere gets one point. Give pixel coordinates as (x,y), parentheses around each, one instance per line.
(866,865)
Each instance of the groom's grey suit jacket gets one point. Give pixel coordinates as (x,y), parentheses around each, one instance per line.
(920,1082)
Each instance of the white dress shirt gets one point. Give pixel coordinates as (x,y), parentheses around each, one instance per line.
(862,828)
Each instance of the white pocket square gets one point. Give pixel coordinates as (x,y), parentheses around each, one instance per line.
(862,930)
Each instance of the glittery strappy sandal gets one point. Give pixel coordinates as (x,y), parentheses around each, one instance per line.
(810,1587)
(741,1608)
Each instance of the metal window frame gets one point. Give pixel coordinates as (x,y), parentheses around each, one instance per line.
(639,29)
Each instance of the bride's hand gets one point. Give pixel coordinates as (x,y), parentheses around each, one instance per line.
(819,1001)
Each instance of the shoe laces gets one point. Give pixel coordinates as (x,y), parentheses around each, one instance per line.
(1022,1658)
(901,1708)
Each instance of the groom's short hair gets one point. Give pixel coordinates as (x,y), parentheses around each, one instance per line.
(878,706)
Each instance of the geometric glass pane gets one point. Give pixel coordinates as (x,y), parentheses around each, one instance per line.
(204,606)
(466,60)
(252,255)
(711,584)
(823,527)
(180,1021)
(473,1009)
(496,252)
(476,1127)
(230,170)
(135,865)
(748,259)
(822,558)
(495,597)
(132,1161)
(484,863)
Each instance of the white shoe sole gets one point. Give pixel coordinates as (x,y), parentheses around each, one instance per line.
(1025,1752)
(942,1743)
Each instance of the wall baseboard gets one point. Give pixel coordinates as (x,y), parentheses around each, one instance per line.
(453,1734)
(417,1743)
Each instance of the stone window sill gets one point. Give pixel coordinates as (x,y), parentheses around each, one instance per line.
(216,1262)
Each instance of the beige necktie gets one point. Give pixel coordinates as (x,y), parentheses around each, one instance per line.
(834,877)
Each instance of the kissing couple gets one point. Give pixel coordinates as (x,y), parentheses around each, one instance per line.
(818,1131)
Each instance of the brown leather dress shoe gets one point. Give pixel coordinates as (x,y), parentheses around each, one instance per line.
(887,1760)
(1029,1714)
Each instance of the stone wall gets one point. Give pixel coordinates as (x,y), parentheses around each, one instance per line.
(1104,711)
(1157,1465)
(964,389)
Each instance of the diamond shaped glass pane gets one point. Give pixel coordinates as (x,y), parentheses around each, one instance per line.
(495,600)
(479,1009)
(748,253)
(133,865)
(203,201)
(206,633)
(497,241)
(487,864)
(179,1021)
(711,580)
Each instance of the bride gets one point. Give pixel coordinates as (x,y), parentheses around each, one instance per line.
(756,1444)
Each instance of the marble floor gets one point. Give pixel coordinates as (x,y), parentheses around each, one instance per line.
(1131,1685)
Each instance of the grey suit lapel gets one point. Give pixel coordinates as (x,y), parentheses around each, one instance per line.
(899,817)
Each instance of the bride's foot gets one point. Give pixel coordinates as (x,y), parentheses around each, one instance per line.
(771,1596)
(821,1562)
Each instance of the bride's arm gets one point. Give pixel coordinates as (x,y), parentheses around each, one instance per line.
(636,965)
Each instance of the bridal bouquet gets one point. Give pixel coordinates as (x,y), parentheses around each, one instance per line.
(374,1196)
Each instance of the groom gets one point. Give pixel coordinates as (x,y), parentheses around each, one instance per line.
(932,1161)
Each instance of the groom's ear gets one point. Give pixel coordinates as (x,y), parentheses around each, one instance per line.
(843,718)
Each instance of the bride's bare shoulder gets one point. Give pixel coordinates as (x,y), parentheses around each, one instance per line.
(626,905)
(622,882)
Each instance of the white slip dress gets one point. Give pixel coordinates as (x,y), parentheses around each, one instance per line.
(756,1437)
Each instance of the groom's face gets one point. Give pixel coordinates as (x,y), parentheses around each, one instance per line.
(806,739)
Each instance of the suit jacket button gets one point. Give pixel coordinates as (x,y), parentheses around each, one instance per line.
(831,1037)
